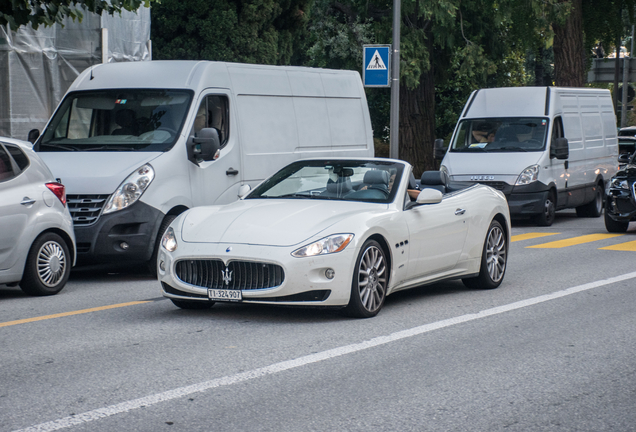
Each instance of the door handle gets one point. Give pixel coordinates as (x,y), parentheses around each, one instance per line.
(459,212)
(231,172)
(27,201)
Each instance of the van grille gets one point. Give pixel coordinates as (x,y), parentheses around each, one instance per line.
(495,184)
(85,209)
(239,275)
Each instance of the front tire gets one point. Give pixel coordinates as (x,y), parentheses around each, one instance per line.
(494,258)
(47,267)
(192,305)
(615,226)
(546,217)
(370,281)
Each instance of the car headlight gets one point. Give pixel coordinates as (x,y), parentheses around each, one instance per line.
(131,189)
(332,244)
(528,175)
(169,241)
(619,183)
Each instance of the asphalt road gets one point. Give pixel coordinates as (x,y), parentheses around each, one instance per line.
(551,349)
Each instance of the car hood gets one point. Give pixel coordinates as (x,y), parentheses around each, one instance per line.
(94,172)
(505,163)
(271,222)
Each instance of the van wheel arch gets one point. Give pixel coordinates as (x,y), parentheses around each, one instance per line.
(167,220)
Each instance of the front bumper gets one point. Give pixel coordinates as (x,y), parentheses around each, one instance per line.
(620,205)
(304,284)
(125,235)
(523,201)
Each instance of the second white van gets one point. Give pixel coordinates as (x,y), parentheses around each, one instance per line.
(547,149)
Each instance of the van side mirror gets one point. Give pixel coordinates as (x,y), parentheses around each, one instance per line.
(204,145)
(34,134)
(438,149)
(559,149)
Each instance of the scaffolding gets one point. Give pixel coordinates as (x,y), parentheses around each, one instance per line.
(38,66)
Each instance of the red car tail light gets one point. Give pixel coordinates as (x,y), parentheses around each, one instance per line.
(59,190)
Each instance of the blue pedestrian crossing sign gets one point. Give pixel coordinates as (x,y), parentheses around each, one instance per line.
(376,66)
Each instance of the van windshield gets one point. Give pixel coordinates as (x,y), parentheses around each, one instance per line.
(117,120)
(504,134)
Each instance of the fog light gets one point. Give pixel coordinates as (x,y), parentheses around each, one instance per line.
(123,245)
(162,265)
(330,273)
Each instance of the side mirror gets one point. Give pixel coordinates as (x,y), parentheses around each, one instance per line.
(205,145)
(244,190)
(34,134)
(559,149)
(438,149)
(429,196)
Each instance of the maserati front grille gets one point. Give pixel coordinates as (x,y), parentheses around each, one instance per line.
(238,275)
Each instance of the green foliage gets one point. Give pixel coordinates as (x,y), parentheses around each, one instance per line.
(18,13)
(255,31)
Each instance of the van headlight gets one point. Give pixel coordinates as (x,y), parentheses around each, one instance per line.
(528,175)
(327,245)
(131,189)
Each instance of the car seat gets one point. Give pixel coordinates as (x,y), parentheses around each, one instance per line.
(433,180)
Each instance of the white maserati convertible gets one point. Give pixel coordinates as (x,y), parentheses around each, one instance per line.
(337,233)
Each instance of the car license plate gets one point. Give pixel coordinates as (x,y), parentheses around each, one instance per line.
(225,295)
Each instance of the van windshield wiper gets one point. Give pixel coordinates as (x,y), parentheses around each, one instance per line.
(110,148)
(59,146)
(515,148)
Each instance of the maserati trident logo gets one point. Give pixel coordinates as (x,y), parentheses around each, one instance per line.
(482,178)
(227,276)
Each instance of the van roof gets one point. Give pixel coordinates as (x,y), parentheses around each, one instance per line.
(519,101)
(242,78)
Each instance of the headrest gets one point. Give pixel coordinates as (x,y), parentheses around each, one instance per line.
(433,178)
(376,177)
(342,185)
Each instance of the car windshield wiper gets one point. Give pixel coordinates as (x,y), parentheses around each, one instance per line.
(59,146)
(295,195)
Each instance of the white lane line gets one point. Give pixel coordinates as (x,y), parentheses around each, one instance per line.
(123,407)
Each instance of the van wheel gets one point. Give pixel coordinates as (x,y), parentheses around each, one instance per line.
(594,208)
(47,267)
(615,226)
(546,217)
(152,263)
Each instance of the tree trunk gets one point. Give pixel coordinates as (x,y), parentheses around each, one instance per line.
(417,124)
(569,55)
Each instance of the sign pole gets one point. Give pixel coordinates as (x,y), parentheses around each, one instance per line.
(395,83)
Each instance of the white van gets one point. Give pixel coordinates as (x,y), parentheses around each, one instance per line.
(547,149)
(138,143)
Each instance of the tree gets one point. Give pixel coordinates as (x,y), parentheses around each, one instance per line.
(252,31)
(448,48)
(18,13)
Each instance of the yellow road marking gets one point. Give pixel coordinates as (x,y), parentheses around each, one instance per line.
(65,314)
(574,241)
(530,236)
(629,246)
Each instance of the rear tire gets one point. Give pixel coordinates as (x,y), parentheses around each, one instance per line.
(47,267)
(546,218)
(192,305)
(614,226)
(152,263)
(494,258)
(370,281)
(593,208)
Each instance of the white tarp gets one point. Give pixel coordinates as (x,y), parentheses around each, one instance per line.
(38,66)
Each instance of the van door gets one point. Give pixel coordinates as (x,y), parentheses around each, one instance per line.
(216,181)
(557,168)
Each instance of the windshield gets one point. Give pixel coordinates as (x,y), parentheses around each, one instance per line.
(507,134)
(117,120)
(370,181)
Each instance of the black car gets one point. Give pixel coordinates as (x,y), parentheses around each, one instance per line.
(620,206)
